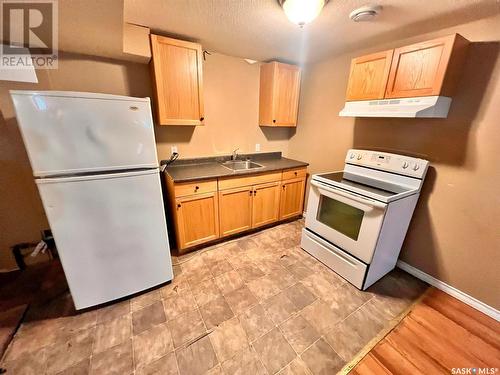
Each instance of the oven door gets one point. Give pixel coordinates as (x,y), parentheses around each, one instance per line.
(348,220)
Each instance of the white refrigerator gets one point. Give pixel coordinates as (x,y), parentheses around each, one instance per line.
(94,161)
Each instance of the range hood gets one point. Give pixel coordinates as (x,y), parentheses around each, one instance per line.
(422,106)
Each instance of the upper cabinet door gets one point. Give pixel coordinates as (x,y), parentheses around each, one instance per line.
(177,72)
(427,68)
(279,94)
(368,76)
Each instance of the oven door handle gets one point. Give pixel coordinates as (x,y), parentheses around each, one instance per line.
(366,204)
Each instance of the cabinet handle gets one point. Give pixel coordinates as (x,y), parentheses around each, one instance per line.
(178,205)
(295,173)
(254,193)
(284,187)
(196,188)
(202,118)
(250,192)
(274,120)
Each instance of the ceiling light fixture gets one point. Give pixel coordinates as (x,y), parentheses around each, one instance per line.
(301,12)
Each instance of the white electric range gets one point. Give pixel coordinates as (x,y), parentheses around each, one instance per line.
(357,218)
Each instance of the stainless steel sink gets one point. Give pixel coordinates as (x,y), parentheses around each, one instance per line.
(238,165)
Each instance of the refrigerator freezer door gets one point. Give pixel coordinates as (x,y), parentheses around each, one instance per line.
(110,233)
(66,133)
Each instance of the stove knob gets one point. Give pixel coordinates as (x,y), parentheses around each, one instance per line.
(359,157)
(405,165)
(352,155)
(416,167)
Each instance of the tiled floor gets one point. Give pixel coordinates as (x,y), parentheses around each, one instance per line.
(258,305)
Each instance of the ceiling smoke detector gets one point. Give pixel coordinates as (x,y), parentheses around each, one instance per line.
(366,13)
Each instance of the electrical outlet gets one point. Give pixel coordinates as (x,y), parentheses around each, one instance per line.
(173,149)
(257,147)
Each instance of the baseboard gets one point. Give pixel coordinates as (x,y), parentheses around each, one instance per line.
(454,292)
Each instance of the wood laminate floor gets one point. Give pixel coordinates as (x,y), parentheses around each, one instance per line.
(441,335)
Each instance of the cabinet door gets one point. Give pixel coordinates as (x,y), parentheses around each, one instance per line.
(286,94)
(368,76)
(235,210)
(419,69)
(266,204)
(197,219)
(177,73)
(292,198)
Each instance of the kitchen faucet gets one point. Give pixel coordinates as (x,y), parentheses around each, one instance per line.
(234,156)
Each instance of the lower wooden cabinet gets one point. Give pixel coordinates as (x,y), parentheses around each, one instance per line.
(292,197)
(206,210)
(197,219)
(235,210)
(266,204)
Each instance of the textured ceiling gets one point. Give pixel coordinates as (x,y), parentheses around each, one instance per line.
(259,29)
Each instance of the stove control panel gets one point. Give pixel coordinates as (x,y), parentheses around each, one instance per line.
(400,164)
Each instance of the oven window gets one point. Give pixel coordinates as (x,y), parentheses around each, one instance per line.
(340,216)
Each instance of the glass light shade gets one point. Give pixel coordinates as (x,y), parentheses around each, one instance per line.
(302,11)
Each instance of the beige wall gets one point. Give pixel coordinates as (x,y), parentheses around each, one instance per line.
(454,235)
(21,213)
(231,120)
(231,92)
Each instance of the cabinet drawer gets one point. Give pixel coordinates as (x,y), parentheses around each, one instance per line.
(191,188)
(294,173)
(234,182)
(342,263)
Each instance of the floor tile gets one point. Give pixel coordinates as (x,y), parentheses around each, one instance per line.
(217,370)
(245,362)
(112,333)
(263,288)
(228,339)
(115,361)
(116,310)
(250,272)
(269,266)
(152,345)
(28,363)
(148,317)
(255,322)
(205,292)
(201,274)
(296,367)
(74,350)
(247,243)
(299,333)
(186,327)
(287,258)
(274,351)
(345,340)
(81,368)
(300,295)
(179,304)
(144,300)
(175,288)
(367,321)
(239,260)
(197,358)
(320,316)
(241,299)
(321,359)
(166,365)
(318,285)
(282,278)
(279,307)
(228,282)
(216,312)
(300,271)
(345,299)
(220,267)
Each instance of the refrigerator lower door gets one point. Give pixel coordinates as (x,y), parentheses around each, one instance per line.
(110,232)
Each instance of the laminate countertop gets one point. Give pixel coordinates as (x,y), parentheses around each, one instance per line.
(185,170)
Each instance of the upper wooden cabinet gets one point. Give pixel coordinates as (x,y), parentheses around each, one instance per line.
(422,69)
(427,68)
(177,71)
(368,76)
(279,94)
